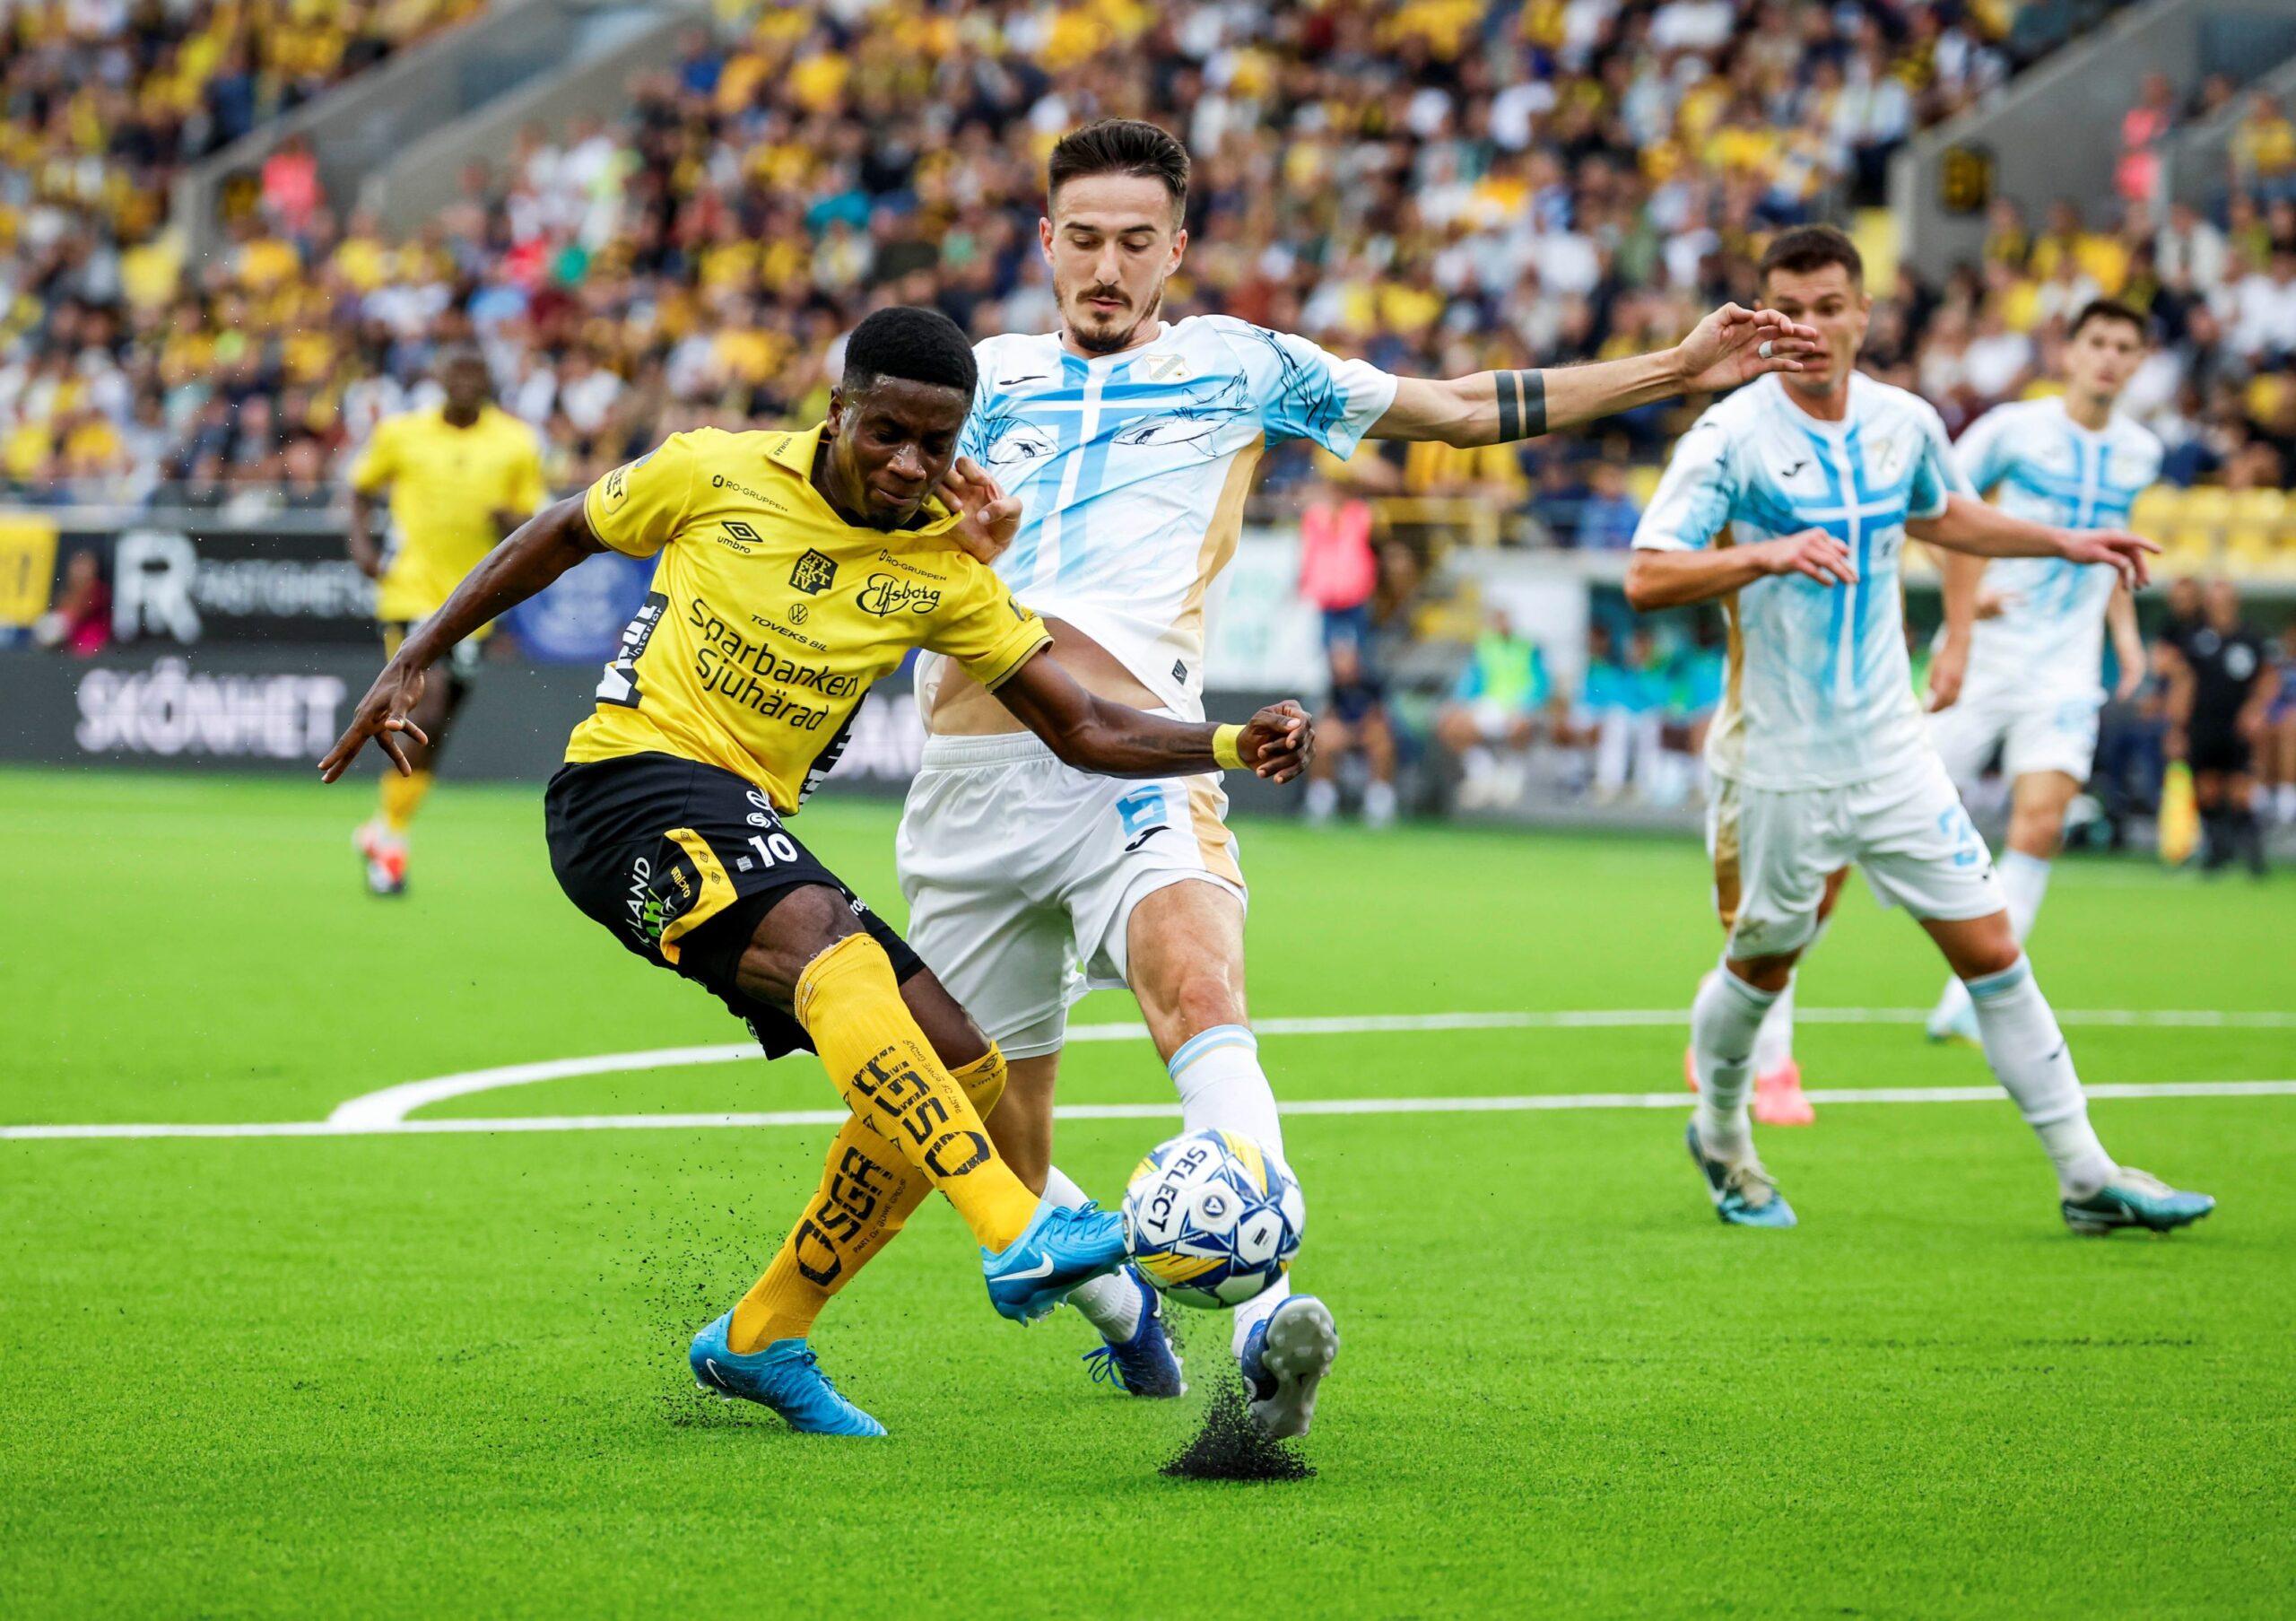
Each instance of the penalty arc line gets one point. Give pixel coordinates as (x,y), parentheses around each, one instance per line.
(1118,1111)
(390,1106)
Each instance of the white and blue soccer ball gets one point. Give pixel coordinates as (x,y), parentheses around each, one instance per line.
(1213,1218)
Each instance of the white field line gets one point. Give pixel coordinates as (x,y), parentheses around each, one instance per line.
(379,1111)
(1121,1111)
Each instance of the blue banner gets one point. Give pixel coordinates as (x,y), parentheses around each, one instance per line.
(579,620)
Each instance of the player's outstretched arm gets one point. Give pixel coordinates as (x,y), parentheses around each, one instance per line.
(1984,530)
(1675,579)
(536,552)
(1731,345)
(1115,740)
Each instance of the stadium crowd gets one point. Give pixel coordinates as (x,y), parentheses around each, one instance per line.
(1437,185)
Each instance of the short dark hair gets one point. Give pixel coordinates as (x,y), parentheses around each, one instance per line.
(1808,248)
(912,342)
(1120,147)
(2109,309)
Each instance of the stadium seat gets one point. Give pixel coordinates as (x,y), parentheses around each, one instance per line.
(2188,549)
(2157,512)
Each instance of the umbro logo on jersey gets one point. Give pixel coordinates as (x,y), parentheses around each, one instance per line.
(813,573)
(740,535)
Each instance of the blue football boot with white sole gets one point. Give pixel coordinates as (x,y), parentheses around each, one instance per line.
(1744,1195)
(1284,1362)
(1147,1363)
(784,1376)
(2134,1198)
(1060,1249)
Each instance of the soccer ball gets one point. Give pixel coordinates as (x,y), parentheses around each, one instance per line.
(1211,1218)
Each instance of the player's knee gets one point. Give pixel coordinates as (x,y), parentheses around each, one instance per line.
(1988,951)
(803,923)
(1199,996)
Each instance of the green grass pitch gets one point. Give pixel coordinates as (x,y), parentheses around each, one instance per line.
(421,1374)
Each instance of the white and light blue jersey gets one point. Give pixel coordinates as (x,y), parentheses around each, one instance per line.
(2047,640)
(1819,693)
(1132,471)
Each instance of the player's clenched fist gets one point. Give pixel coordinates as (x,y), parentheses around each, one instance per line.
(1278,741)
(1812,553)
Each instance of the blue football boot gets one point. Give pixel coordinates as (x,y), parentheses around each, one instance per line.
(1148,1364)
(784,1376)
(1744,1195)
(2135,1199)
(1060,1249)
(1283,1362)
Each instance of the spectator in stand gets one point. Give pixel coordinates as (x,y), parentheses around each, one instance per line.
(2264,150)
(1608,514)
(1353,728)
(1502,700)
(1339,570)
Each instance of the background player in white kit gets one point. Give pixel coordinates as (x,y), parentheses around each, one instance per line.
(1791,501)
(2020,664)
(1130,443)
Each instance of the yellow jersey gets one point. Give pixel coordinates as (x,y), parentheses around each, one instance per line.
(447,484)
(770,615)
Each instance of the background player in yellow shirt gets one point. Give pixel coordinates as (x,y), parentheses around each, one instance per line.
(795,569)
(461,476)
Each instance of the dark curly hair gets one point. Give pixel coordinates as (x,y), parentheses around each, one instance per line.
(908,341)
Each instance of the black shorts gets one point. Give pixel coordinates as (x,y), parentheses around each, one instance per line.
(2218,749)
(681,861)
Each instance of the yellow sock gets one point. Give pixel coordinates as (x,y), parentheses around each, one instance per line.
(850,1003)
(867,1192)
(401,797)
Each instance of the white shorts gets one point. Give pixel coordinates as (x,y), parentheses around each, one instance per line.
(1773,851)
(2035,732)
(1022,873)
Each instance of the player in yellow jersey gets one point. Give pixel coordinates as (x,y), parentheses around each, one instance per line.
(796,569)
(461,476)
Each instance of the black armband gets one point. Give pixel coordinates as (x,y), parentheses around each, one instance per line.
(1522,405)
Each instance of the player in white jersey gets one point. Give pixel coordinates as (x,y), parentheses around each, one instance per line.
(1790,502)
(2020,663)
(1130,441)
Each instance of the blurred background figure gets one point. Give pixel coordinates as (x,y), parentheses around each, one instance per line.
(1499,704)
(2222,687)
(1339,570)
(1353,740)
(79,622)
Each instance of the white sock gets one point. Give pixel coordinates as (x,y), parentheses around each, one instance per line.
(1774,1042)
(2031,1059)
(1723,1023)
(2024,880)
(1222,1086)
(1110,1305)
